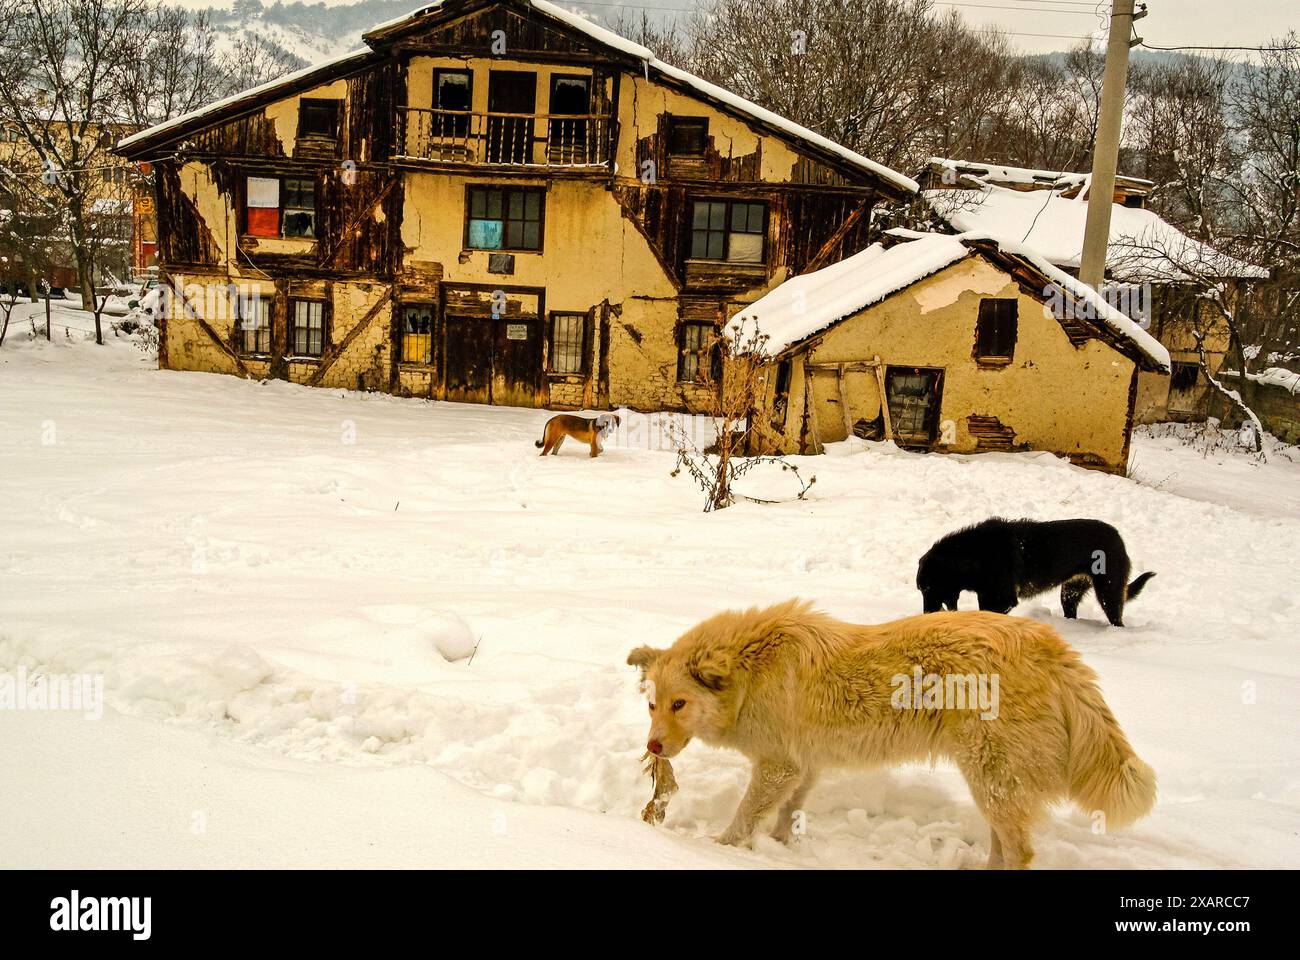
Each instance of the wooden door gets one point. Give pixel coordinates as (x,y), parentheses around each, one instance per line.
(914,396)
(510,137)
(517,362)
(468,359)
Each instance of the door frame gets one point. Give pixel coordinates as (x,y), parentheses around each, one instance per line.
(542,393)
(932,418)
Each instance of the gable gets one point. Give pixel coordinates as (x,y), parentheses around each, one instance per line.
(500,28)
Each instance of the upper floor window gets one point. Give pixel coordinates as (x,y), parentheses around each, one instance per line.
(504,218)
(280,207)
(453,92)
(995,333)
(687,136)
(729,230)
(318,118)
(1183,376)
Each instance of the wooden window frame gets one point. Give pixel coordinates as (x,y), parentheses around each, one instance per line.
(729,203)
(285,209)
(440,72)
(1177,370)
(268,313)
(714,353)
(584,344)
(336,107)
(505,192)
(674,123)
(246,175)
(432,307)
(291,326)
(988,342)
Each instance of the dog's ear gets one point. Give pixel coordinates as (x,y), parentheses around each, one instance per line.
(642,657)
(711,669)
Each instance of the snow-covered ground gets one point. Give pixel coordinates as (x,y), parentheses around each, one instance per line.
(259,571)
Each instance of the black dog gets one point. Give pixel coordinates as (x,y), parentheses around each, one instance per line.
(1005,561)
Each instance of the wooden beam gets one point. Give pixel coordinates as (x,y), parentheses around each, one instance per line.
(810,407)
(333,355)
(216,337)
(844,402)
(835,238)
(884,398)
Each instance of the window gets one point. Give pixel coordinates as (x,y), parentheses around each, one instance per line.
(697,359)
(1183,376)
(307,336)
(262,207)
(728,230)
(567,341)
(299,208)
(417,333)
(504,219)
(253,323)
(995,334)
(318,118)
(452,91)
(687,136)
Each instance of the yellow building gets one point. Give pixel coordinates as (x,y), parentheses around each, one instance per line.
(492,202)
(957,344)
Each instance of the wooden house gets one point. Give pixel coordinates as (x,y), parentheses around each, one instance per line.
(493,201)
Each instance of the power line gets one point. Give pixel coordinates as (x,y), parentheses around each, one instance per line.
(1283,49)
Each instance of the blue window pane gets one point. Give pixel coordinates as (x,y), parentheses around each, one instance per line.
(486,234)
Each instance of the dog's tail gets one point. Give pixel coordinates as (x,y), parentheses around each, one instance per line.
(1103,771)
(1136,586)
(538,443)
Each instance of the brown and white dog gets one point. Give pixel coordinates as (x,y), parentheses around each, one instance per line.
(796,691)
(585,429)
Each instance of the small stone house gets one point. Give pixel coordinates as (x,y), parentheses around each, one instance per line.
(957,344)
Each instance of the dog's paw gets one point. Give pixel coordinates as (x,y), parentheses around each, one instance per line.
(732,838)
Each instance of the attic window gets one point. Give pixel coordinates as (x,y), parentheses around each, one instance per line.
(728,230)
(319,119)
(687,136)
(995,334)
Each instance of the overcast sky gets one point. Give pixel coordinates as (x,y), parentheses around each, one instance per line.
(1169,22)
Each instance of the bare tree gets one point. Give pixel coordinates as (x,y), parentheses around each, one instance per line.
(58,60)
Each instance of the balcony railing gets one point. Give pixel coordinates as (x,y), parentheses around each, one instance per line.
(503,139)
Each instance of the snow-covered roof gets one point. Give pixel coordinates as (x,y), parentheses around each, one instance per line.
(1027,176)
(808,304)
(252,93)
(1143,247)
(597,33)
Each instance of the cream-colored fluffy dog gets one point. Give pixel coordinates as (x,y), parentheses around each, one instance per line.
(796,691)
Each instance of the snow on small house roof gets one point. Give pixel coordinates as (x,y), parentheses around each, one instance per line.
(1143,247)
(808,304)
(1027,176)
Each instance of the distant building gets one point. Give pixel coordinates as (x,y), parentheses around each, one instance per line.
(1146,263)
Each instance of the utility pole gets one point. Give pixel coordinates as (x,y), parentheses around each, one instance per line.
(1105,153)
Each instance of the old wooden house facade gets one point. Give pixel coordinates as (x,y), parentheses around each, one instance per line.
(493,201)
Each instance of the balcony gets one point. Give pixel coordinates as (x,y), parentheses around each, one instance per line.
(503,139)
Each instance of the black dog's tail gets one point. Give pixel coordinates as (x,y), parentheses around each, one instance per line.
(538,443)
(1136,586)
